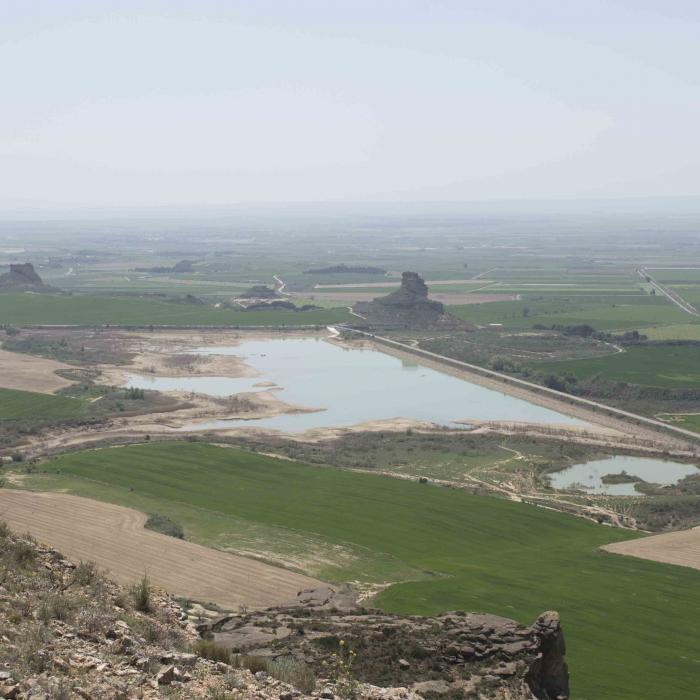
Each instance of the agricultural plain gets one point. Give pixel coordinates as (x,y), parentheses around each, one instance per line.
(674,366)
(453,550)
(21,405)
(39,309)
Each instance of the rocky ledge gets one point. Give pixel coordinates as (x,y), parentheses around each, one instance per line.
(68,632)
(453,655)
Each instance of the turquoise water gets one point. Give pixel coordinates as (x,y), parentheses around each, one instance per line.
(352,386)
(588,475)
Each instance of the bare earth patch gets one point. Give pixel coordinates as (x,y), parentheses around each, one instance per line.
(114,538)
(681,548)
(31,373)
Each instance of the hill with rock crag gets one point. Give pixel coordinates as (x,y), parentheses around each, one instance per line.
(408,306)
(23,277)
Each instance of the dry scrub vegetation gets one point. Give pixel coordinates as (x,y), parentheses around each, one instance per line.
(69,632)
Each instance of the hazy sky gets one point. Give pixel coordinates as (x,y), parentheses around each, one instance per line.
(155,103)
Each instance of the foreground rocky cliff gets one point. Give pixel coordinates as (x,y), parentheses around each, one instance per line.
(68,632)
(448,656)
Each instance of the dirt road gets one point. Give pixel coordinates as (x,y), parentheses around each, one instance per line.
(114,538)
(31,373)
(681,548)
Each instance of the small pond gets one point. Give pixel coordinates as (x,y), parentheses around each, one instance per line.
(588,476)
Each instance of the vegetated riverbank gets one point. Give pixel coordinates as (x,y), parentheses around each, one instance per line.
(465,551)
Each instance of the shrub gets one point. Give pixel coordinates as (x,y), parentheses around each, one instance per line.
(141,594)
(165,525)
(135,394)
(293,672)
(23,553)
(209,649)
(342,671)
(31,650)
(254,663)
(93,621)
(85,573)
(56,607)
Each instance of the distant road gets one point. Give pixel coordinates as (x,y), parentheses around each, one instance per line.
(282,285)
(678,300)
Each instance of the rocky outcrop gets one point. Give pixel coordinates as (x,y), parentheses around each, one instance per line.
(68,632)
(548,676)
(409,305)
(478,655)
(23,277)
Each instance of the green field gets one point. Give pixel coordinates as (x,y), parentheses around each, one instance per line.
(26,309)
(631,625)
(689,421)
(602,312)
(21,405)
(666,366)
(682,331)
(689,292)
(676,275)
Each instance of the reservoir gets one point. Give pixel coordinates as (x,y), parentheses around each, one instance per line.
(350,386)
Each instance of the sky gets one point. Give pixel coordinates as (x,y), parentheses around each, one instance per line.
(205,103)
